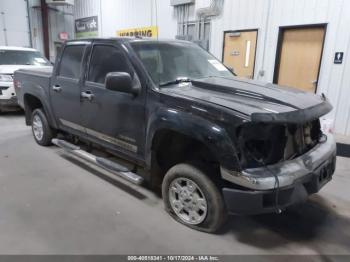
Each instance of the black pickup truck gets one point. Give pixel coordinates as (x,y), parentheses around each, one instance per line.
(213,143)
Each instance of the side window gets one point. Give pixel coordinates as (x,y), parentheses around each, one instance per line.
(107,59)
(71,61)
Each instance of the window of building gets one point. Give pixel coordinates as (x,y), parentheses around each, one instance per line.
(196,31)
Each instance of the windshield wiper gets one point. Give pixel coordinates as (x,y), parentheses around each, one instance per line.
(176,81)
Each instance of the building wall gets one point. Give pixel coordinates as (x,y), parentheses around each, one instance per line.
(61,19)
(14,29)
(115,15)
(36,25)
(87,8)
(265,15)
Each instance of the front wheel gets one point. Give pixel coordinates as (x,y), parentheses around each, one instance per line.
(193,199)
(41,129)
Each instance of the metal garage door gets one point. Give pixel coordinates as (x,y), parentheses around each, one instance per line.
(14,28)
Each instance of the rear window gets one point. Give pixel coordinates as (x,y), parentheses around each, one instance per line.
(15,57)
(71,61)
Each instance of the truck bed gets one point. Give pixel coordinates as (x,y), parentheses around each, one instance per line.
(33,80)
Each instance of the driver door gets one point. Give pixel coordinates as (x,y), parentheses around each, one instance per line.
(114,119)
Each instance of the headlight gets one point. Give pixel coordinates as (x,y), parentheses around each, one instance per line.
(5,78)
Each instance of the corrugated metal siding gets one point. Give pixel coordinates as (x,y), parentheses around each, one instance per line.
(115,15)
(36,27)
(167,25)
(15,21)
(60,20)
(87,8)
(119,14)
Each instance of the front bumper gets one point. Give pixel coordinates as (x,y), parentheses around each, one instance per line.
(298,178)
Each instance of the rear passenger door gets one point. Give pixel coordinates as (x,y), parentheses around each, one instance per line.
(65,87)
(113,118)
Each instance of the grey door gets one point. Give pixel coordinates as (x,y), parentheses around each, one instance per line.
(114,119)
(65,88)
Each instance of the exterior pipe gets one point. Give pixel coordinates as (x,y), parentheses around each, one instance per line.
(45,21)
(29,25)
(214,9)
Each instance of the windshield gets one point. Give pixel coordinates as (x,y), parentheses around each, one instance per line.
(15,57)
(171,62)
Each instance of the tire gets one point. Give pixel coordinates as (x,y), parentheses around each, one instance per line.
(42,132)
(177,200)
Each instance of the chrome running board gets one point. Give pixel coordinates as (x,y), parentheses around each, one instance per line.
(104,163)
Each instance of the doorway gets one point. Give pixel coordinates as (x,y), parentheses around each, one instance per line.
(240,52)
(299,57)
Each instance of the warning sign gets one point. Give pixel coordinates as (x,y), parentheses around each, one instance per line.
(151,31)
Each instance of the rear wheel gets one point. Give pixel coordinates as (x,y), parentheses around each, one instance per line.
(42,132)
(193,199)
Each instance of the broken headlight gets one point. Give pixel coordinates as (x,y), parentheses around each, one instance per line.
(263,144)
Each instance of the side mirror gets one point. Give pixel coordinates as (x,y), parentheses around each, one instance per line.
(121,82)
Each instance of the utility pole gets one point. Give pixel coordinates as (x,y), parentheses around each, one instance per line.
(45,22)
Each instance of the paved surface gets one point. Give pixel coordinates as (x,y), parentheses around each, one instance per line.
(53,204)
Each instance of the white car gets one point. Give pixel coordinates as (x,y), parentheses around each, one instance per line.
(12,59)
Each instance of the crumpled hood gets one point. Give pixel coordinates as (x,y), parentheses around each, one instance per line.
(10,69)
(263,102)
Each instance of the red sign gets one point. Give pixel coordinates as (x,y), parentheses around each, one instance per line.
(63,36)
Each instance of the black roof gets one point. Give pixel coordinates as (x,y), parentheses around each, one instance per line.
(122,39)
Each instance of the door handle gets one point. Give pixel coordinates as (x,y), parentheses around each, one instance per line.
(57,88)
(87,95)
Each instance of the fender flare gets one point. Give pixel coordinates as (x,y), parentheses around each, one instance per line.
(210,134)
(39,92)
